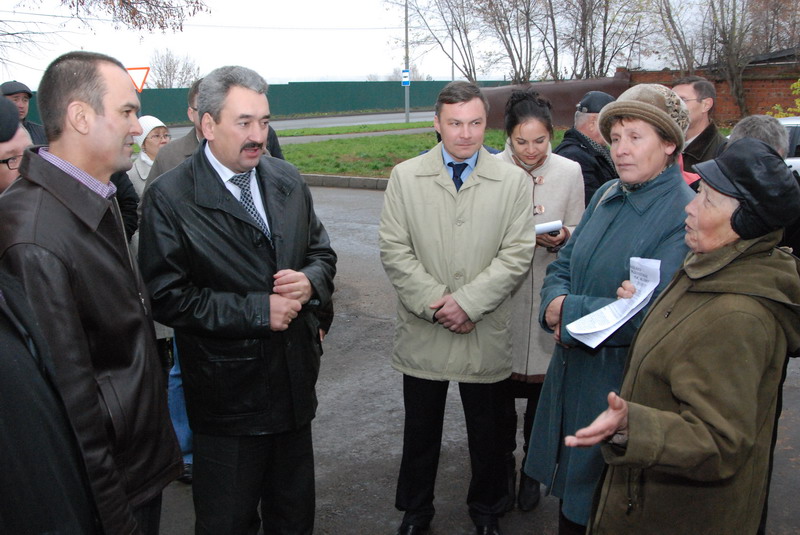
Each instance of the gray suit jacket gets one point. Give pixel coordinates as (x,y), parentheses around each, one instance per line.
(171,155)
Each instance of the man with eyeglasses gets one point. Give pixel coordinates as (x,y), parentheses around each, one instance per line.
(703,140)
(13,140)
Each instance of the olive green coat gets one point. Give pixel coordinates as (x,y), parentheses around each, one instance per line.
(702,382)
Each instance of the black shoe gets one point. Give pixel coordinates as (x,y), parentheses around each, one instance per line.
(491,529)
(411,529)
(528,496)
(186,475)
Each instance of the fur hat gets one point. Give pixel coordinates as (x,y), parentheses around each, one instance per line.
(9,119)
(752,172)
(148,122)
(653,103)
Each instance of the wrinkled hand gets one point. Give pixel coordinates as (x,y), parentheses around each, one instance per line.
(546,240)
(611,421)
(552,316)
(451,316)
(626,290)
(292,285)
(282,311)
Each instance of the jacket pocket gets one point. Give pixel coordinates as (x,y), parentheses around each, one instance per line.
(236,376)
(114,416)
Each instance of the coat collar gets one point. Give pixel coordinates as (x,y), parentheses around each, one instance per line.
(431,165)
(275,184)
(86,205)
(641,199)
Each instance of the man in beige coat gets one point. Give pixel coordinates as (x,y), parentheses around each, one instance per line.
(456,236)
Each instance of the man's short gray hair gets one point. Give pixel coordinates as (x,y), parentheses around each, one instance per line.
(765,128)
(581,117)
(214,88)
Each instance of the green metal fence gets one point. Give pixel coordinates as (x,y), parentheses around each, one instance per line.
(297,98)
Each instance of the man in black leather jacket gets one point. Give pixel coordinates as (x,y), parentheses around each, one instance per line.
(236,261)
(62,236)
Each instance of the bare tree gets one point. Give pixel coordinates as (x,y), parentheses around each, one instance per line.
(599,34)
(138,14)
(727,33)
(19,36)
(453,26)
(512,22)
(675,26)
(168,70)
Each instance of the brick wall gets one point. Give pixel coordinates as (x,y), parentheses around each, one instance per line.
(764,86)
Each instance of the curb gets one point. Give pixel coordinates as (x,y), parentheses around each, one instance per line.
(354,182)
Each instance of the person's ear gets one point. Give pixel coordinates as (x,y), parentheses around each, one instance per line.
(207,123)
(79,116)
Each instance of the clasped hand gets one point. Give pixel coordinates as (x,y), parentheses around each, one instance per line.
(451,316)
(292,290)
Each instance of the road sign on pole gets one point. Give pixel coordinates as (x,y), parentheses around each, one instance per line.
(406,77)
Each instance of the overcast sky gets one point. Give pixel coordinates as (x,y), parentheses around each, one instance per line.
(308,40)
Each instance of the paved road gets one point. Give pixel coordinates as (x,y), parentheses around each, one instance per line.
(339,120)
(358,430)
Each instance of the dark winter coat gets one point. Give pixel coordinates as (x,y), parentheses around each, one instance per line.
(596,169)
(647,223)
(702,384)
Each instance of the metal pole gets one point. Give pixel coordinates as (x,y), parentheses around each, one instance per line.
(408,87)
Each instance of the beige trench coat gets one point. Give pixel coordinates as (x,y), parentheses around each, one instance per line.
(557,194)
(475,244)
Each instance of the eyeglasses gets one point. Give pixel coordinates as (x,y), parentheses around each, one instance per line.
(13,162)
(160,136)
(691,99)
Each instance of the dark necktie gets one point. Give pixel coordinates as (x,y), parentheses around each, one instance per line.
(246,199)
(458,168)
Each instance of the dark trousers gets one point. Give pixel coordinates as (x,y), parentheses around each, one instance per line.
(514,390)
(422,441)
(148,516)
(233,474)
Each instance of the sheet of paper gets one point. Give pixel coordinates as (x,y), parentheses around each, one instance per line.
(552,226)
(595,327)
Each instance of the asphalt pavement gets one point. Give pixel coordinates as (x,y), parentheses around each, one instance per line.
(358,429)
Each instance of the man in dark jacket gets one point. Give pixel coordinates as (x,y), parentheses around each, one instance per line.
(21,95)
(43,488)
(236,260)
(703,140)
(62,236)
(584,144)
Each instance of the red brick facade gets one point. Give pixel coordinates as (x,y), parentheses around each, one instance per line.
(764,85)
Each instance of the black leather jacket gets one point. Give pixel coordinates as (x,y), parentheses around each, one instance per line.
(67,246)
(210,272)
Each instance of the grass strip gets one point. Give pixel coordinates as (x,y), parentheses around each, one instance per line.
(370,156)
(352,129)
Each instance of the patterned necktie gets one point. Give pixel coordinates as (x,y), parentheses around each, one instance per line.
(458,168)
(246,198)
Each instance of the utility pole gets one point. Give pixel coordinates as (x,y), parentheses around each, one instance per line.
(407,86)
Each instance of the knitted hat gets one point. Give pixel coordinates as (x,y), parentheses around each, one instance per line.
(148,122)
(13,87)
(653,103)
(752,172)
(9,119)
(594,101)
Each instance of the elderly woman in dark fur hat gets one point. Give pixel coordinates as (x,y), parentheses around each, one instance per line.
(687,439)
